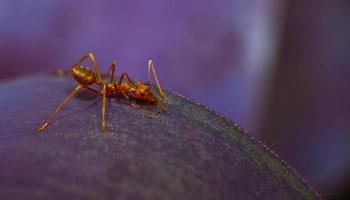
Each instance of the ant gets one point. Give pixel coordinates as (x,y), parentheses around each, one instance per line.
(85,77)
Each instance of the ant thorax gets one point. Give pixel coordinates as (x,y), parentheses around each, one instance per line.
(124,87)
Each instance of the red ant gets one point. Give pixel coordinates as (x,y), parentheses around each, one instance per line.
(86,77)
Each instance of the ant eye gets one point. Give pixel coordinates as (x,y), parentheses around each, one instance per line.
(142,93)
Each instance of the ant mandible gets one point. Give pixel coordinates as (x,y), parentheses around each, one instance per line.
(130,89)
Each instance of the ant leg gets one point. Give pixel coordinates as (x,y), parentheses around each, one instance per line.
(59,108)
(104,92)
(127,77)
(92,59)
(151,66)
(92,90)
(111,71)
(125,96)
(98,72)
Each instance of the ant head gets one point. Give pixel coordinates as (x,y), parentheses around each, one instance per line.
(143,92)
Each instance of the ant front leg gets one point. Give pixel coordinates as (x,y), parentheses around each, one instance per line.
(151,66)
(59,108)
(93,90)
(97,69)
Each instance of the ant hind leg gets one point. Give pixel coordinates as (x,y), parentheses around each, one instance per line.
(59,108)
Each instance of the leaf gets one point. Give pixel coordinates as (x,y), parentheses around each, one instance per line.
(184,152)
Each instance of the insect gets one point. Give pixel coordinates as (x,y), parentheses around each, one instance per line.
(127,89)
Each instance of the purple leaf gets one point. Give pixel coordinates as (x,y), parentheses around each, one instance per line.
(184,152)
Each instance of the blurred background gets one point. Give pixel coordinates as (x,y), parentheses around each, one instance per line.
(279,68)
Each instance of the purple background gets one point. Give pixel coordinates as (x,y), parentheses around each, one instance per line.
(279,68)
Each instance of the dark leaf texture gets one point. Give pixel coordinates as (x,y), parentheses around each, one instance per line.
(184,152)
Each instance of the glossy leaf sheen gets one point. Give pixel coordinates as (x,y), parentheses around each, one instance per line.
(184,152)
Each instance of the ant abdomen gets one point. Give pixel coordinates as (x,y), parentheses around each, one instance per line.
(83,75)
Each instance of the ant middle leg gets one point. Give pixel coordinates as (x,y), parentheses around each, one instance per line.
(92,90)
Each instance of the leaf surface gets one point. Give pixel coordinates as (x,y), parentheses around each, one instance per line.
(184,152)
